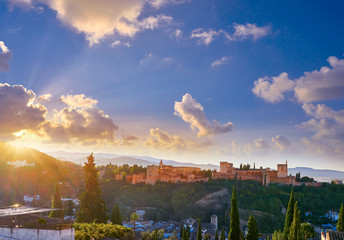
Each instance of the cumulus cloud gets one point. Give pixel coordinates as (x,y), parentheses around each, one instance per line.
(103,18)
(281,143)
(79,100)
(219,62)
(17,111)
(128,140)
(85,125)
(80,122)
(5,55)
(192,112)
(177,33)
(273,89)
(327,124)
(327,83)
(44,98)
(318,85)
(249,30)
(119,43)
(160,139)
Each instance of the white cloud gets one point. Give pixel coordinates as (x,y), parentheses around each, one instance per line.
(177,34)
(17,111)
(160,3)
(281,143)
(5,56)
(259,146)
(248,30)
(220,61)
(44,98)
(192,112)
(204,37)
(325,84)
(119,43)
(104,18)
(79,100)
(160,139)
(273,89)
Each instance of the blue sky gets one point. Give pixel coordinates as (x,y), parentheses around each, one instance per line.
(149,77)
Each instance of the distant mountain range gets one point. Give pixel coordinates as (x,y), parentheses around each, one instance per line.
(320,175)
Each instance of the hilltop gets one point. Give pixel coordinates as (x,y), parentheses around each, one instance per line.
(38,177)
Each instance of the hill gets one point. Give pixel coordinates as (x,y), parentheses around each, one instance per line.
(38,176)
(320,175)
(105,158)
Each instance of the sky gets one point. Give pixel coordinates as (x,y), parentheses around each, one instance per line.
(199,81)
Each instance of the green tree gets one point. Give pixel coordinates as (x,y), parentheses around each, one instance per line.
(188,231)
(92,206)
(234,231)
(277,235)
(216,235)
(295,228)
(69,209)
(223,236)
(116,217)
(307,231)
(181,232)
(289,215)
(199,231)
(57,203)
(252,233)
(174,236)
(134,217)
(340,223)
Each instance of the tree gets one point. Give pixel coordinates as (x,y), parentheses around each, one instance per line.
(252,233)
(69,209)
(223,236)
(296,225)
(307,231)
(216,235)
(188,231)
(289,216)
(207,236)
(134,217)
(57,203)
(92,206)
(199,231)
(174,236)
(116,217)
(234,231)
(340,223)
(181,232)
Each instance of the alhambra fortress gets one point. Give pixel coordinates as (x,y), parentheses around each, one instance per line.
(168,173)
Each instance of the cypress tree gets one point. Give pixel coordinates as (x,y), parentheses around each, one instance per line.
(181,232)
(289,215)
(116,217)
(295,233)
(223,236)
(199,231)
(188,231)
(234,231)
(252,233)
(216,235)
(340,223)
(57,203)
(92,206)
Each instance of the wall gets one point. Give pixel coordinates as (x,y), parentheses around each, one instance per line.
(37,234)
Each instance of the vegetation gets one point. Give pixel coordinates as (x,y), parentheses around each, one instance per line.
(289,216)
(199,231)
(234,229)
(57,203)
(116,217)
(134,217)
(340,224)
(295,227)
(92,206)
(153,235)
(252,233)
(97,231)
(223,236)
(307,231)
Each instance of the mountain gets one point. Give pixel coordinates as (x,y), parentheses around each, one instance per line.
(320,175)
(105,158)
(26,170)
